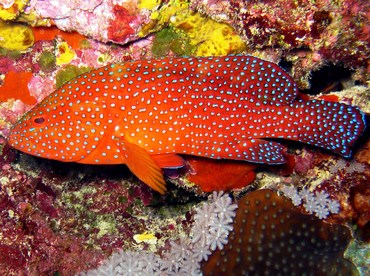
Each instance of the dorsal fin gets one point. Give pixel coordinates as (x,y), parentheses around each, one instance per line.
(266,82)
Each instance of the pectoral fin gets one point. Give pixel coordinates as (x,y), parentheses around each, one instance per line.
(140,163)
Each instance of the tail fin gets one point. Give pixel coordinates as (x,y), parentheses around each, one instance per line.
(330,125)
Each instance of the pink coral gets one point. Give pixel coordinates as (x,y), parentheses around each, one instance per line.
(62,9)
(100,19)
(40,87)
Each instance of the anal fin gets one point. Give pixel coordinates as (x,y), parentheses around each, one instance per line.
(140,163)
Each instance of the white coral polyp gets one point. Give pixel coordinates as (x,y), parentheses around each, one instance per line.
(218,225)
(318,204)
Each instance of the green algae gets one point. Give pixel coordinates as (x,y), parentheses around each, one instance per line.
(168,40)
(106,224)
(79,202)
(85,44)
(70,72)
(13,54)
(47,61)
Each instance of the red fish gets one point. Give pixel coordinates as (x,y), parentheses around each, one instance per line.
(144,113)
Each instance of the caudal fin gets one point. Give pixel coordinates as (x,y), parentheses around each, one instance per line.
(330,125)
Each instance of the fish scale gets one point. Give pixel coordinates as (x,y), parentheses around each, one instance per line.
(144,113)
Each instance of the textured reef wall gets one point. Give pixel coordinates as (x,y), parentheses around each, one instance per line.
(67,219)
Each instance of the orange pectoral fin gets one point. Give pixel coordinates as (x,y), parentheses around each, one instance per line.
(169,160)
(140,163)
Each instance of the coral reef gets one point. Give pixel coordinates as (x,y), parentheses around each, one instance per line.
(65,219)
(121,23)
(262,217)
(308,34)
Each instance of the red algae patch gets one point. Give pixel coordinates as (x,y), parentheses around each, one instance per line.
(73,39)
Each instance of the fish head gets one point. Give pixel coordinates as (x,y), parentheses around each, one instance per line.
(61,127)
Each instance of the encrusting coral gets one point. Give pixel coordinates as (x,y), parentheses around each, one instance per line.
(15,36)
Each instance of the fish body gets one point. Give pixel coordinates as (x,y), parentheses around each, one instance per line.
(144,113)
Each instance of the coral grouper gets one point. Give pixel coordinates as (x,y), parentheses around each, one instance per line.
(144,113)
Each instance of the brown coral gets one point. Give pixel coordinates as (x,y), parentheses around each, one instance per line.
(271,237)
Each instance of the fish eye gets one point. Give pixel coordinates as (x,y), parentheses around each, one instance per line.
(39,120)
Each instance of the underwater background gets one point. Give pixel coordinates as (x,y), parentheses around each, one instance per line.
(218,217)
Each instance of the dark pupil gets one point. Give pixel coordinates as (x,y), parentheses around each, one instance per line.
(39,120)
